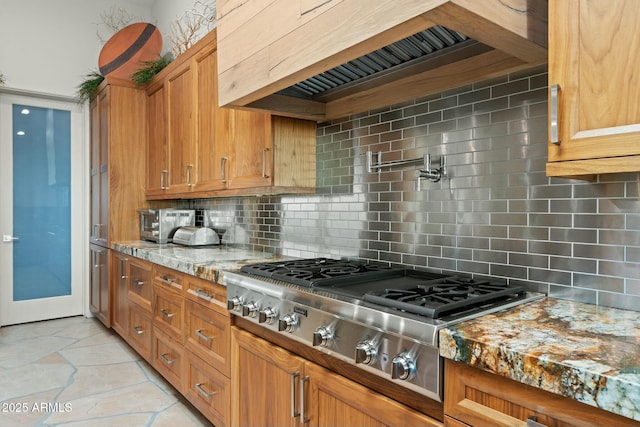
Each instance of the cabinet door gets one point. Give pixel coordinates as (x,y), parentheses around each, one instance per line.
(181,116)
(95,171)
(252,161)
(103,111)
(337,401)
(157,179)
(213,141)
(267,379)
(592,60)
(99,285)
(120,279)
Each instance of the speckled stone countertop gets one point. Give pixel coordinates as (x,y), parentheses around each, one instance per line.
(582,351)
(207,262)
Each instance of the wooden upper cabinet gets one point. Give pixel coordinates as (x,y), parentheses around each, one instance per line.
(197,149)
(213,143)
(181,120)
(118,134)
(157,179)
(594,69)
(267,47)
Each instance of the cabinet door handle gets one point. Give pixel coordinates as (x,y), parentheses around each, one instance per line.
(223,165)
(188,174)
(166,360)
(163,175)
(303,418)
(138,330)
(203,392)
(264,162)
(553,105)
(167,314)
(123,268)
(294,377)
(139,282)
(203,336)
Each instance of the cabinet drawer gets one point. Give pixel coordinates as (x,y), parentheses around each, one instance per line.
(167,312)
(476,397)
(168,359)
(207,293)
(140,331)
(207,334)
(140,286)
(208,390)
(168,279)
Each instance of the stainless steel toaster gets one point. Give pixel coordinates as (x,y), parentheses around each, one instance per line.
(159,225)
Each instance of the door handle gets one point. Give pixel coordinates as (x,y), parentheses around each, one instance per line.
(8,238)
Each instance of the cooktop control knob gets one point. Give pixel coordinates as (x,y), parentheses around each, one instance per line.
(234,304)
(365,352)
(288,322)
(403,367)
(250,309)
(267,315)
(322,336)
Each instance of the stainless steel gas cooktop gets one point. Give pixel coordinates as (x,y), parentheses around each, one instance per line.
(384,320)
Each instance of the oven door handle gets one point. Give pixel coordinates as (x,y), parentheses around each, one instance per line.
(294,378)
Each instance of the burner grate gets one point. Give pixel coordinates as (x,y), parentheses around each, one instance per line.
(439,298)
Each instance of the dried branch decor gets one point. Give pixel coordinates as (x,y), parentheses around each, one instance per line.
(114,20)
(192,25)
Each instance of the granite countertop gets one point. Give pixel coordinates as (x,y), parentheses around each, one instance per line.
(586,352)
(206,262)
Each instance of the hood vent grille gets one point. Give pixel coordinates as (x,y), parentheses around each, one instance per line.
(416,47)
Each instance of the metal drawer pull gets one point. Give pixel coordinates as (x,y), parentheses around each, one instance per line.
(303,418)
(553,120)
(203,392)
(294,377)
(167,280)
(203,336)
(204,295)
(533,422)
(138,330)
(166,360)
(166,313)
(139,282)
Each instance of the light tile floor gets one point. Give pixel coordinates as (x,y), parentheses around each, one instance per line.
(76,372)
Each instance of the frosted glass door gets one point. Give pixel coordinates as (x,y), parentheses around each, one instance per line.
(38,200)
(41,202)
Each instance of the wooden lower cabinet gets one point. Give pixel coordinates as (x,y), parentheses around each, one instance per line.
(208,390)
(180,325)
(168,310)
(139,333)
(477,398)
(273,387)
(169,358)
(207,335)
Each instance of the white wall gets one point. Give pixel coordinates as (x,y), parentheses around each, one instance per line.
(49,46)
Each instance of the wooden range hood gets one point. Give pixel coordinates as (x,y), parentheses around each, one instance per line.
(275,55)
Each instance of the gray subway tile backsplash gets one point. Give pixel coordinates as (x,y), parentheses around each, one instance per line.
(495,214)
